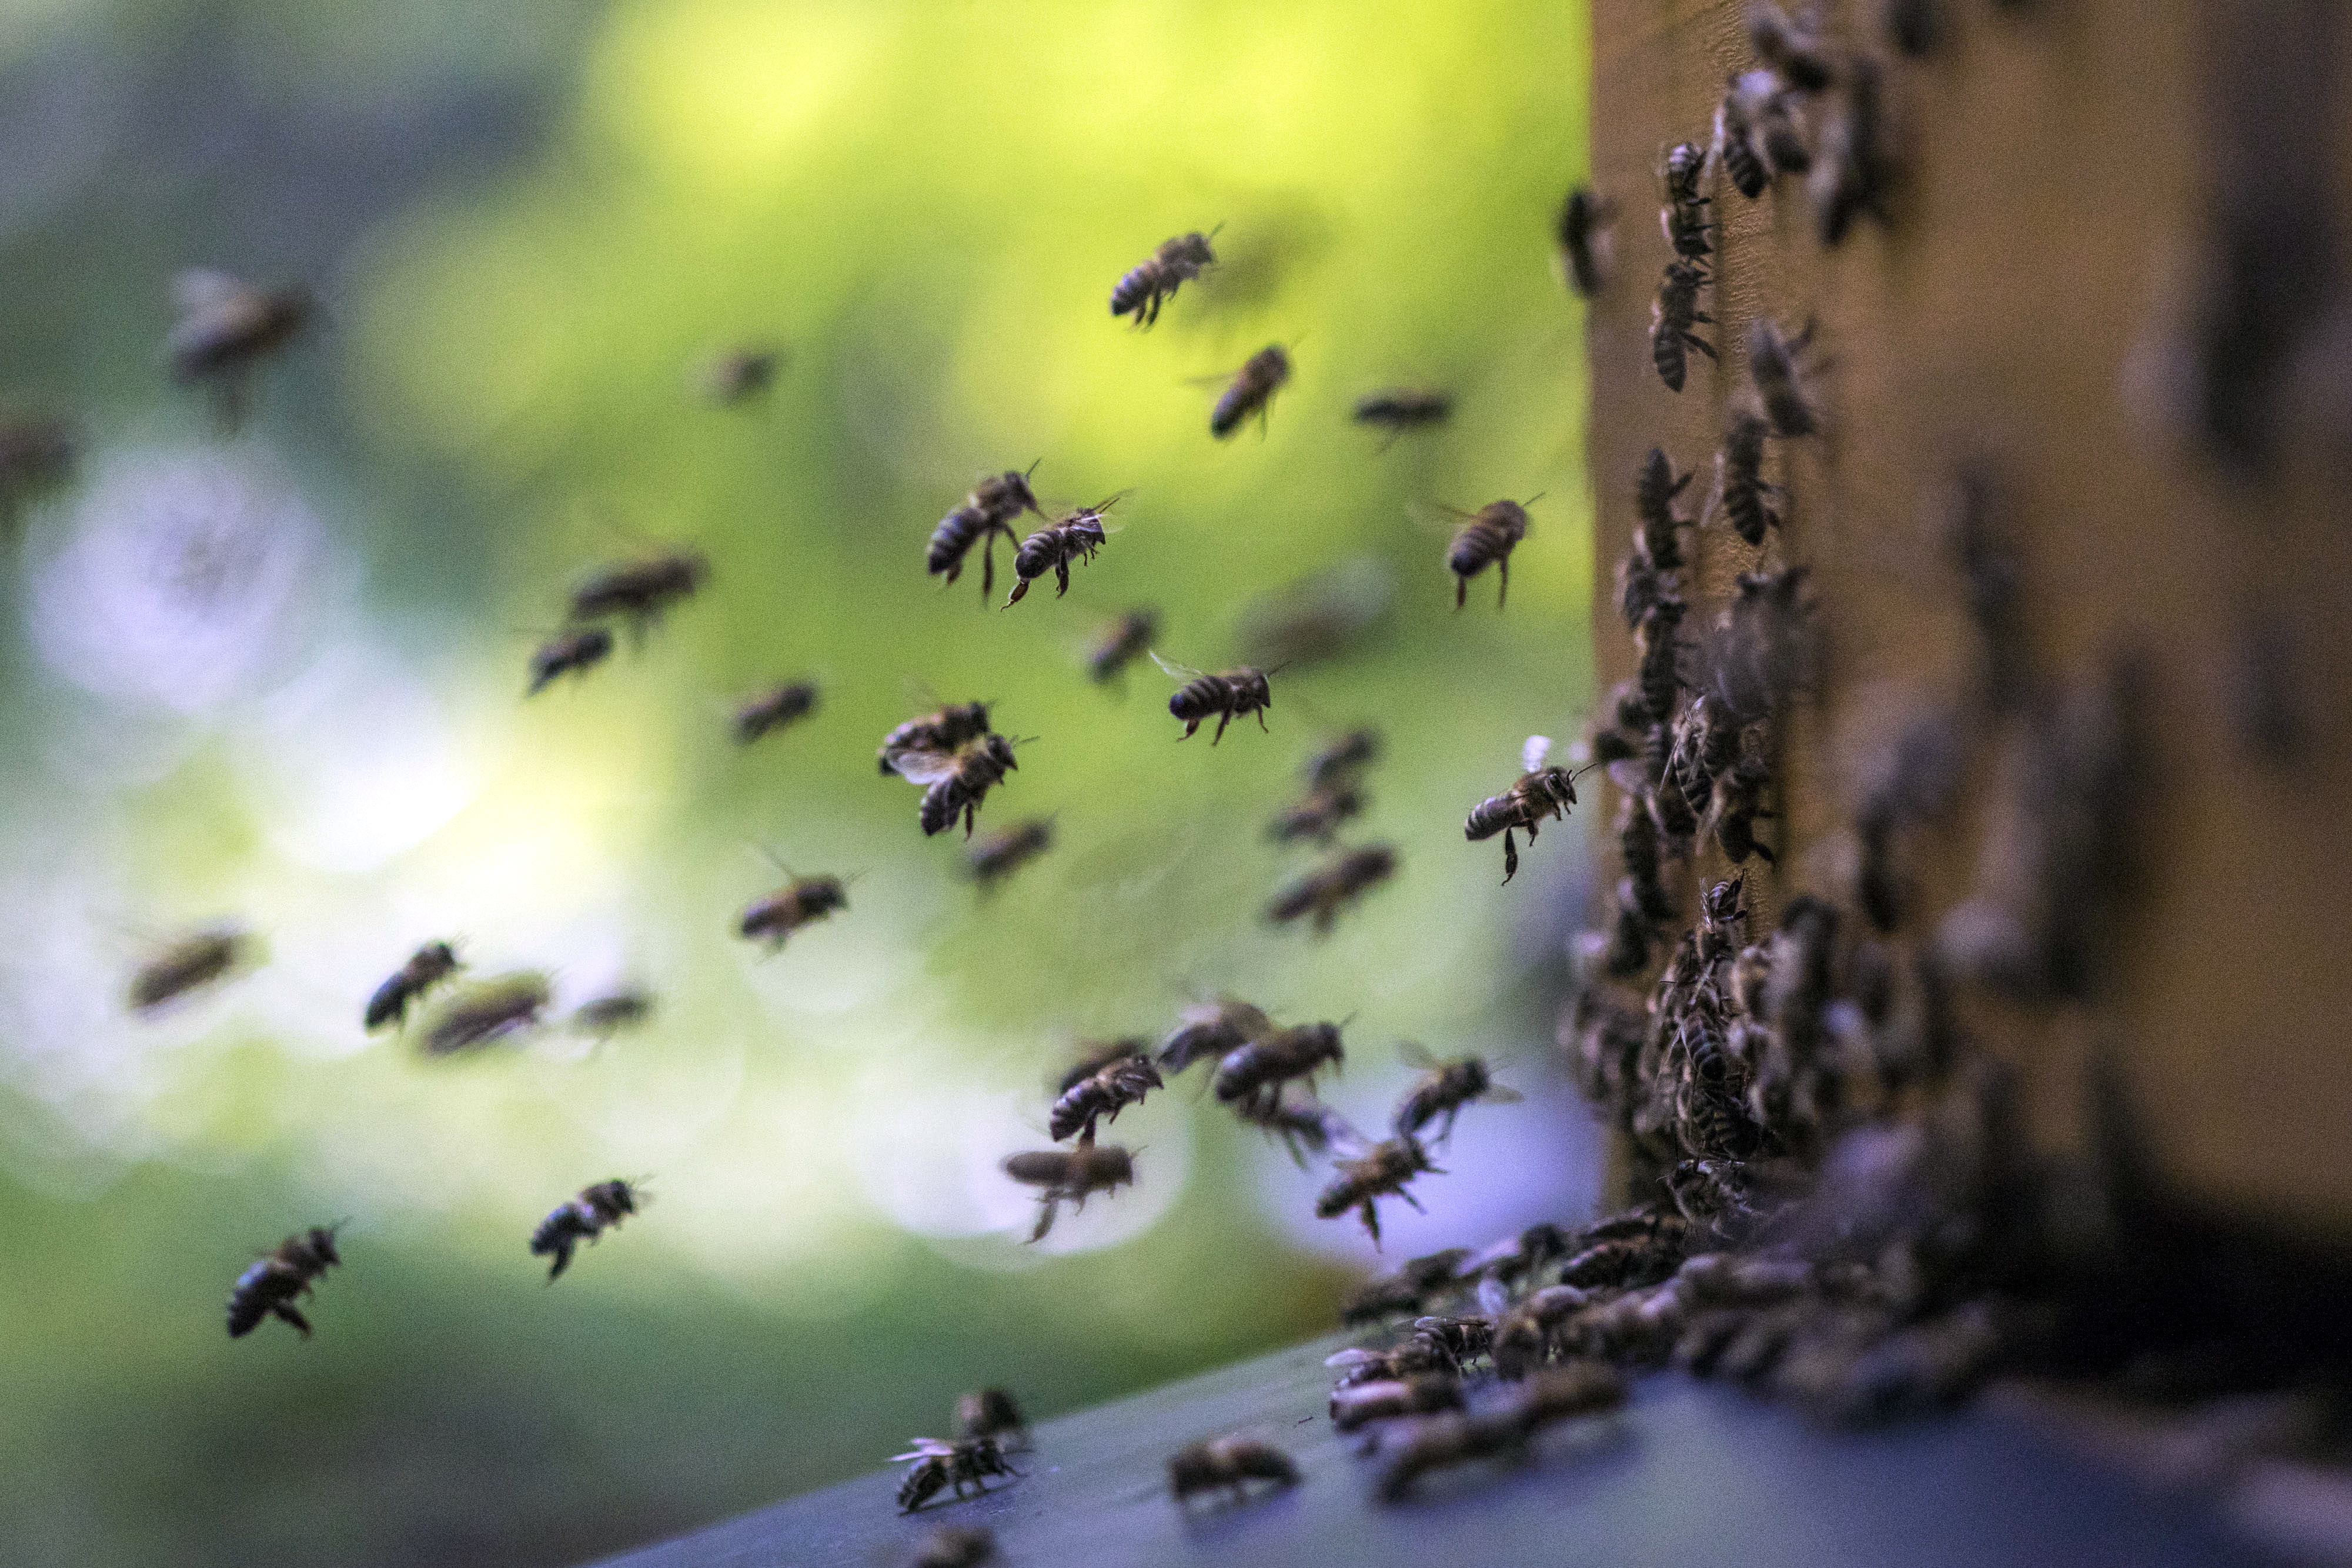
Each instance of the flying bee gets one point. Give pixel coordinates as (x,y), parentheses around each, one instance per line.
(967,1462)
(426,968)
(1094,1055)
(1317,815)
(35,453)
(1054,547)
(1359,1404)
(637,591)
(1155,280)
(226,327)
(1684,216)
(574,653)
(1444,1089)
(283,1276)
(1772,366)
(1211,1029)
(987,512)
(1339,761)
(1229,1463)
(194,961)
(956,783)
(1252,389)
(944,730)
(1400,409)
(1231,696)
(1002,853)
(1655,490)
(1853,172)
(486,1012)
(1101,1095)
(1671,315)
(1747,495)
(1793,51)
(1303,1127)
(584,1217)
(1067,1176)
(1581,233)
(956,1546)
(992,1412)
(1337,882)
(1542,791)
(1118,646)
(609,1014)
(773,709)
(740,375)
(801,901)
(1486,539)
(1253,1074)
(1386,1170)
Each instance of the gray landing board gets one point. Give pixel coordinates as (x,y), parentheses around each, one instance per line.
(1689,1474)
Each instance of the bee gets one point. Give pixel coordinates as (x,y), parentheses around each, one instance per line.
(1401,408)
(1793,51)
(1317,815)
(1461,1340)
(1581,233)
(1055,545)
(1989,583)
(1486,539)
(1067,1176)
(1736,149)
(1251,390)
(35,453)
(1339,761)
(956,783)
(1212,1029)
(1144,288)
(773,709)
(1762,650)
(801,901)
(1915,27)
(1385,1170)
(956,1546)
(1767,110)
(1102,1094)
(1638,848)
(1738,802)
(1746,495)
(226,327)
(1514,1258)
(1230,1463)
(609,1014)
(637,591)
(1854,172)
(1412,1357)
(987,512)
(193,961)
(1094,1055)
(1772,366)
(1444,1089)
(1303,1127)
(1337,882)
(574,653)
(1119,646)
(583,1217)
(1706,745)
(1683,217)
(1540,792)
(740,375)
(1671,315)
(1231,696)
(426,968)
(967,1462)
(944,730)
(485,1012)
(990,1413)
(1253,1074)
(1407,1290)
(1000,854)
(1655,490)
(1358,1404)
(283,1276)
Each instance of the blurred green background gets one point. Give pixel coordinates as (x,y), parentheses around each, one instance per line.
(275,677)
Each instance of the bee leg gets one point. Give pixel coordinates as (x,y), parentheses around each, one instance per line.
(1510,857)
(1261,721)
(1019,588)
(1503,584)
(1461,590)
(1371,1218)
(1061,577)
(1701,344)
(1189,725)
(286,1310)
(987,568)
(1223,719)
(1408,1197)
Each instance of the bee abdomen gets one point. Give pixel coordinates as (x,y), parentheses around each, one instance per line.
(953,538)
(1490,817)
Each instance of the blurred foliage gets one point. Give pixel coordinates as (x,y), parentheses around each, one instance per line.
(528,231)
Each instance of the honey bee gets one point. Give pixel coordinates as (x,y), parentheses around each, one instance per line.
(608,1015)
(1671,315)
(226,327)
(956,783)
(1461,1340)
(1736,149)
(740,375)
(987,512)
(944,730)
(1540,792)
(1000,854)
(1102,1094)
(1853,172)
(1400,409)
(1337,882)
(1684,217)
(1251,390)
(426,967)
(1229,1463)
(1339,761)
(1231,696)
(35,453)
(1055,545)
(992,1412)
(1359,1404)
(1793,51)
(967,1462)
(1067,1176)
(1385,1170)
(1406,1291)
(1581,232)
(584,1217)
(1772,366)
(1253,1074)
(1990,584)
(1317,815)
(1638,848)
(282,1277)
(773,709)
(637,591)
(574,653)
(1486,539)
(486,1012)
(1211,1029)
(1915,27)
(956,1546)
(1119,645)
(1444,1089)
(1094,1055)
(1746,495)
(1769,112)
(802,902)
(1303,1127)
(1412,1357)
(189,964)
(1155,280)
(1738,802)
(1654,491)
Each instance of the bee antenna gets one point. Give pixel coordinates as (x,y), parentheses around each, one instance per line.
(1025,473)
(1218,230)
(1531,500)
(773,859)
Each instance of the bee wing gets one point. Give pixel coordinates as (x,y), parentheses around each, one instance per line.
(1352,1357)
(1347,1143)
(1532,754)
(1628,776)
(1181,673)
(1501,1094)
(924,1449)
(1494,1297)
(202,288)
(924,767)
(1416,1054)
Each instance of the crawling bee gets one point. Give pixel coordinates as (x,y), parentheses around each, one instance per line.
(1337,882)
(1654,491)
(1317,815)
(1230,1463)
(1772,366)
(1523,1336)
(1155,280)
(1736,149)
(1054,547)
(1684,216)
(956,1546)
(967,1462)
(637,591)
(1581,232)
(1102,1094)
(1385,1170)
(944,730)
(992,1412)
(1358,1404)
(613,1013)
(1671,315)
(583,1217)
(802,902)
(1119,645)
(987,512)
(1212,1029)
(226,327)
(1339,761)
(1251,390)
(1304,1127)
(193,961)
(35,453)
(773,709)
(485,1012)
(272,1286)
(1408,1289)
(740,375)
(1542,791)
(426,968)
(1556,1393)
(1000,854)
(1855,170)
(574,653)
(1415,1356)
(1486,539)
(1767,111)
(1738,802)
(1401,408)
(956,783)
(1252,1075)
(1793,51)
(1444,1089)
(1913,27)
(1067,1176)
(1231,696)
(1747,495)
